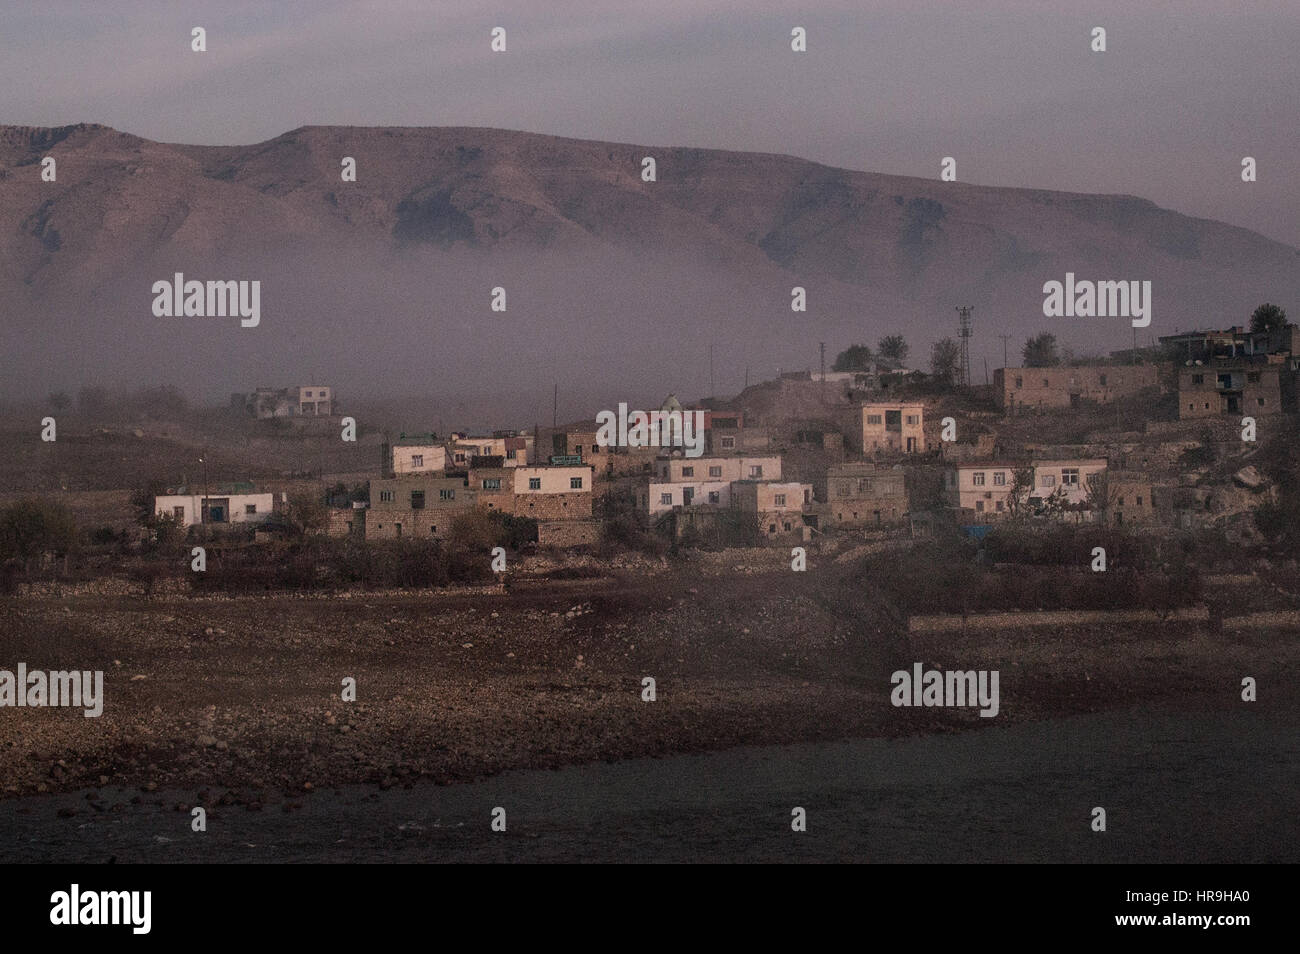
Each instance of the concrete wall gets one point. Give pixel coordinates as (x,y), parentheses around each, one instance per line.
(553,480)
(684,469)
(417,458)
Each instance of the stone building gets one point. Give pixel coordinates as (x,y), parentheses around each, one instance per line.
(885,428)
(860,494)
(416,505)
(1039,388)
(778,506)
(553,493)
(1238,386)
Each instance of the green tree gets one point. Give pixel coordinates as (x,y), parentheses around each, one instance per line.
(1040,351)
(306,514)
(893,349)
(945,361)
(1022,487)
(853,358)
(1268,318)
(29,529)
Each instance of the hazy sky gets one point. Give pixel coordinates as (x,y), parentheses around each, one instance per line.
(1009,88)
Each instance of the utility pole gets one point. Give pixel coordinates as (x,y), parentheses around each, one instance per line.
(711,391)
(203,504)
(1004,349)
(823,378)
(963,332)
(986,371)
(555,407)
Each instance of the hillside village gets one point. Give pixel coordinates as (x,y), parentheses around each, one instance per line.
(1149,438)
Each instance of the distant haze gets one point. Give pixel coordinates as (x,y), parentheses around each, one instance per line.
(617,287)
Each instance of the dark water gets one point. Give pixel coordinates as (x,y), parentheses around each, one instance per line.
(1176,788)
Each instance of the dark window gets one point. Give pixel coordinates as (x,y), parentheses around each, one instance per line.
(417,499)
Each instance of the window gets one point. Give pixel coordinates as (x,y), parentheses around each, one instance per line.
(979,506)
(875,420)
(417,499)
(1045,384)
(1070,477)
(511,454)
(688,471)
(771,528)
(715,471)
(575,483)
(1261,401)
(729,443)
(666,500)
(432,529)
(534,483)
(386,496)
(1047,480)
(1103,380)
(913,420)
(779,500)
(786,525)
(977,479)
(309,394)
(448,494)
(1139,500)
(756,471)
(845,488)
(999,478)
(1198,379)
(1020,382)
(250,508)
(417,460)
(1121,502)
(1000,505)
(865,485)
(178,513)
(715,497)
(1252,377)
(491,483)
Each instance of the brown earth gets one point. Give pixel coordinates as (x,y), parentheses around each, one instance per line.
(244,693)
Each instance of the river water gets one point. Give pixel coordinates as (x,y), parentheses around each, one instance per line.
(1218,787)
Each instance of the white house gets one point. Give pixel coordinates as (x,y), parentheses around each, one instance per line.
(985,487)
(228,508)
(661,496)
